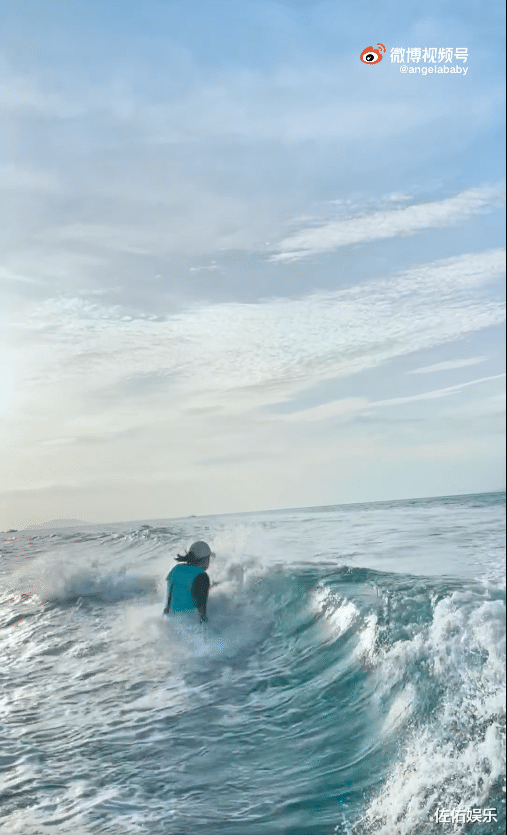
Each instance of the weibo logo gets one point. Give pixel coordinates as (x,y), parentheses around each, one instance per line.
(371,55)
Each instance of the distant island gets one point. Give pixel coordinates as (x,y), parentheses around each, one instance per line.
(57,523)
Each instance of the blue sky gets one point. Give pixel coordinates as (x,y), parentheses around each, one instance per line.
(240,268)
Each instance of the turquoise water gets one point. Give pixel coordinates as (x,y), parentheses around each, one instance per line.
(351,678)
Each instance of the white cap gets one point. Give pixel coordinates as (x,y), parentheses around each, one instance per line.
(200,550)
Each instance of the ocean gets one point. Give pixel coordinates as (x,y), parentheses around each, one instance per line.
(350,679)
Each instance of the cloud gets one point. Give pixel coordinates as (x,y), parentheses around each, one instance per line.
(387,224)
(448,365)
(486,408)
(23,94)
(432,395)
(211,267)
(120,238)
(18,177)
(6,275)
(327,411)
(356,405)
(235,357)
(214,160)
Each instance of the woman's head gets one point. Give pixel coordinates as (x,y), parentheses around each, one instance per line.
(198,554)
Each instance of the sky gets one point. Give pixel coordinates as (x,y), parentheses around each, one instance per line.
(241,269)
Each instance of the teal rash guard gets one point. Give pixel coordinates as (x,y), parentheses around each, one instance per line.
(187,588)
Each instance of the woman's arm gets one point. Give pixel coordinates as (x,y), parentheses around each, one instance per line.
(200,591)
(166,610)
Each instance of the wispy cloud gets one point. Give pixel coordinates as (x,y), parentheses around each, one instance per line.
(123,239)
(260,352)
(433,395)
(387,224)
(209,268)
(7,275)
(17,177)
(24,94)
(345,407)
(326,411)
(448,365)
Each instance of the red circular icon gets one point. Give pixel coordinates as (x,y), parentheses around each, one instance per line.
(371,55)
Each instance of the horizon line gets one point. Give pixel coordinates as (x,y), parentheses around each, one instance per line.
(47,526)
